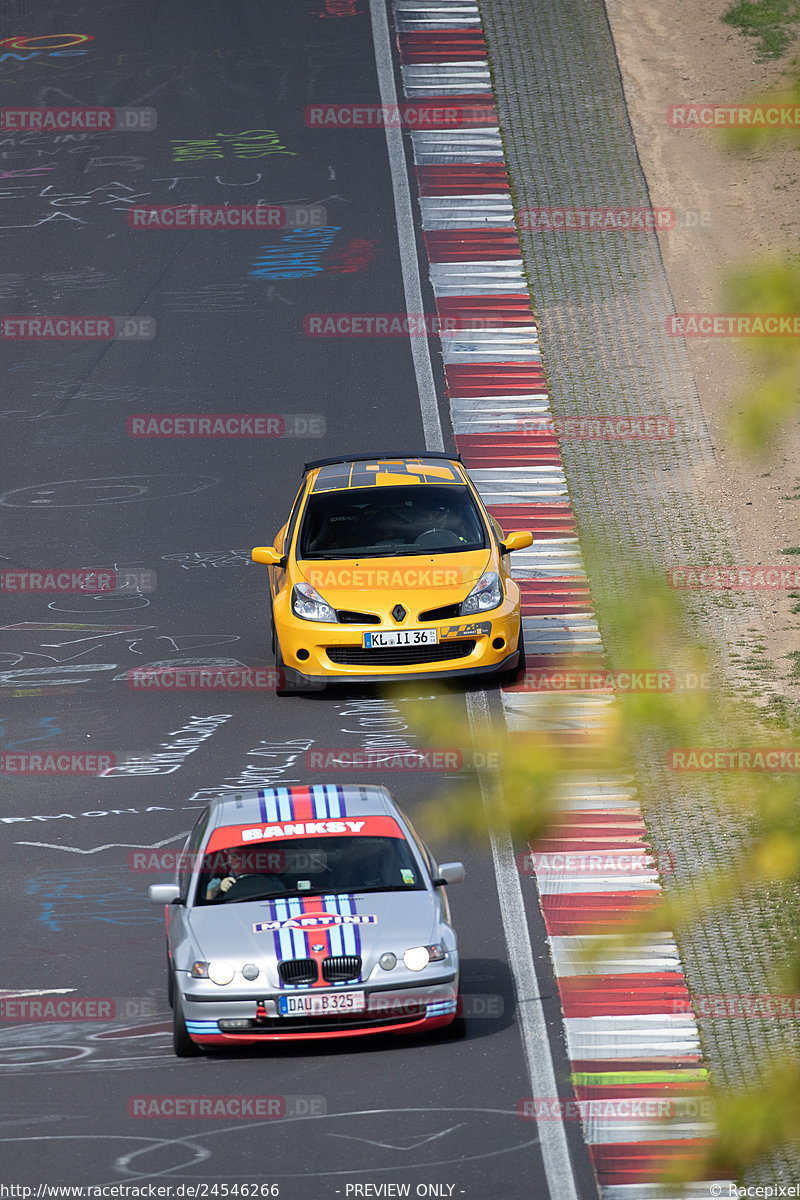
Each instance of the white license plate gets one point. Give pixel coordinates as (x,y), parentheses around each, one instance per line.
(329,1002)
(401,637)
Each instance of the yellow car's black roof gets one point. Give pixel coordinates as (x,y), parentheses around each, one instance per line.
(376,472)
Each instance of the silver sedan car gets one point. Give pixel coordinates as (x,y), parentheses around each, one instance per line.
(307,912)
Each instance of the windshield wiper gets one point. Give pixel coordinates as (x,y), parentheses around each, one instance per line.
(327,554)
(392,887)
(264,896)
(354,891)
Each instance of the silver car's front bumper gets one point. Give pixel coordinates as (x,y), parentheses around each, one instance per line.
(212,1019)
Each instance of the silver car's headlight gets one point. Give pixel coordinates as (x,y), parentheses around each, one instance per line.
(221,973)
(309,605)
(487,593)
(418,957)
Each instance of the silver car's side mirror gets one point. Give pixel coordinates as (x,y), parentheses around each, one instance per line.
(448,873)
(164,893)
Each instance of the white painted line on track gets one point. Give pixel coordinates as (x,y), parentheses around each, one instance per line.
(8,993)
(420,353)
(533,1030)
(535,1040)
(107,845)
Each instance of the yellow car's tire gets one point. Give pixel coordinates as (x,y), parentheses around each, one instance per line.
(511,674)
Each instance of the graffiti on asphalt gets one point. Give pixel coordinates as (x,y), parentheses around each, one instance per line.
(251,143)
(46,723)
(88,894)
(274,760)
(112,489)
(171,754)
(295,255)
(58,653)
(210,558)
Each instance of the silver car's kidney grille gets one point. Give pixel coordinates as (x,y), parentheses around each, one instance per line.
(298,970)
(341,968)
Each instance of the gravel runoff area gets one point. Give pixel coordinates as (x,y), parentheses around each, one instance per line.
(603,299)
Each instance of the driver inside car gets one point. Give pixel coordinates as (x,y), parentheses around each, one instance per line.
(242,878)
(432,517)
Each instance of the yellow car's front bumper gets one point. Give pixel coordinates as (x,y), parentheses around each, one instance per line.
(328,652)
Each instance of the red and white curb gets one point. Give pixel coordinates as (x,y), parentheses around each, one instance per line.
(631,1033)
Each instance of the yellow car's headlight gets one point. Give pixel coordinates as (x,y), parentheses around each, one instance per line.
(487,593)
(309,605)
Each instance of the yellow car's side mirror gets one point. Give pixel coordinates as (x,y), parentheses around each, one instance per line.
(267,555)
(514,541)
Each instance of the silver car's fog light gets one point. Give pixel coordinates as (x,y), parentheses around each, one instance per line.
(250,971)
(220,972)
(388,961)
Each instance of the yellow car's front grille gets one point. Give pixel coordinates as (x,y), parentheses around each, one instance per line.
(399,656)
(348,616)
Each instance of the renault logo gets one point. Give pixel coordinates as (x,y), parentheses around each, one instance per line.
(399,613)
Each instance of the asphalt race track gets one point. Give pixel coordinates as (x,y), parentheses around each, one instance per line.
(174,518)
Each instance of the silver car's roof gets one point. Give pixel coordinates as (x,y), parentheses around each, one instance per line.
(316,801)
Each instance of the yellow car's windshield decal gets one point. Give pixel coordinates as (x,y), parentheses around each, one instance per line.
(372,474)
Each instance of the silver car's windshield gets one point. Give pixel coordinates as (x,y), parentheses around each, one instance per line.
(310,866)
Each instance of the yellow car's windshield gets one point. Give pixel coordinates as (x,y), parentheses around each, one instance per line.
(385,522)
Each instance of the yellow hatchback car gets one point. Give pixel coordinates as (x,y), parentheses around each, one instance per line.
(391,568)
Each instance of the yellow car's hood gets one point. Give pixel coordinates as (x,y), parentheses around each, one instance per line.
(419,582)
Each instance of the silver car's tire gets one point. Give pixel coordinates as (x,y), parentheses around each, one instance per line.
(170,984)
(182,1044)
